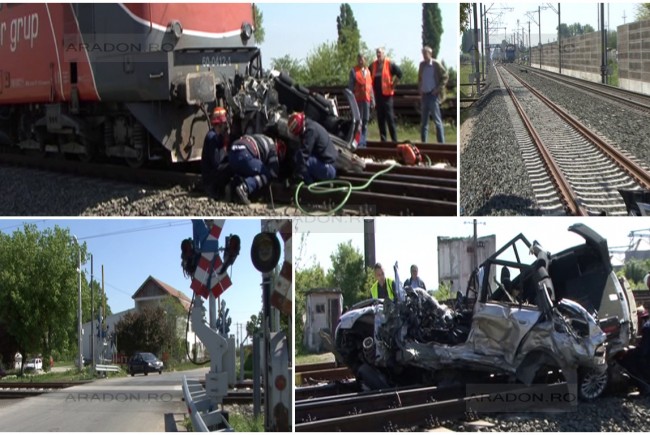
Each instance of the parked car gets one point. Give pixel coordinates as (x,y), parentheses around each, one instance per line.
(2,372)
(34,364)
(145,362)
(563,311)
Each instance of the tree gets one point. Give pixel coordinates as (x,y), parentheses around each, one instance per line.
(634,271)
(409,71)
(38,289)
(291,66)
(431,27)
(258,25)
(465,12)
(143,330)
(324,67)
(346,26)
(348,43)
(452,82)
(642,11)
(467,42)
(612,39)
(348,273)
(306,279)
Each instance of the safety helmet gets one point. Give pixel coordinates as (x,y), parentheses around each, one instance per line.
(281,148)
(218,116)
(296,123)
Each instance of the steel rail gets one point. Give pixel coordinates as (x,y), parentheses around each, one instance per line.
(639,174)
(567,194)
(323,390)
(621,95)
(332,407)
(335,374)
(423,413)
(315,366)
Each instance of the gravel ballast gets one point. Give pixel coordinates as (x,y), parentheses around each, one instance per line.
(29,192)
(607,414)
(492,175)
(623,126)
(493,178)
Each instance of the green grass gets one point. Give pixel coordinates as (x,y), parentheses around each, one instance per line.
(612,79)
(245,422)
(181,367)
(406,131)
(314,358)
(67,376)
(465,72)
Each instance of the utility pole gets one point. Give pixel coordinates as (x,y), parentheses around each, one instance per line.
(559,36)
(603,42)
(369,242)
(476,54)
(539,17)
(482,43)
(530,47)
(92,316)
(79,330)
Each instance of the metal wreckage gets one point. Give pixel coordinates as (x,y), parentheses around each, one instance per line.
(263,105)
(563,314)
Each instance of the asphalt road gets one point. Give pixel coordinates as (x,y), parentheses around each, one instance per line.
(131,404)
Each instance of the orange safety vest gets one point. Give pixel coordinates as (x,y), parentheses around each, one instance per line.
(362,85)
(386,78)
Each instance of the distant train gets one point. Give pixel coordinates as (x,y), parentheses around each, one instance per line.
(134,81)
(511,51)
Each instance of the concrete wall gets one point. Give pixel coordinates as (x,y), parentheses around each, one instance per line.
(634,56)
(581,56)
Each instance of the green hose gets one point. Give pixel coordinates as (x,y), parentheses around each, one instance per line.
(318,188)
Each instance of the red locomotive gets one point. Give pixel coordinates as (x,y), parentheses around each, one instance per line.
(133,81)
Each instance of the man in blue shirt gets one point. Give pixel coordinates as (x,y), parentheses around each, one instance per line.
(432,79)
(414,281)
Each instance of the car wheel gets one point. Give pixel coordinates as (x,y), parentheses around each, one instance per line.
(592,383)
(132,373)
(146,373)
(160,372)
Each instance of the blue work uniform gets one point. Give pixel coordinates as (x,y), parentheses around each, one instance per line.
(314,160)
(213,156)
(255,159)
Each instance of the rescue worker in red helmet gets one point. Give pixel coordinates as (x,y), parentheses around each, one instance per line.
(255,159)
(314,159)
(215,152)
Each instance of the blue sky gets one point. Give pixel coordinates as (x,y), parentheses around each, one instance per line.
(298,28)
(153,248)
(414,240)
(584,13)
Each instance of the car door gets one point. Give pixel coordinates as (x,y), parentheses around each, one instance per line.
(499,327)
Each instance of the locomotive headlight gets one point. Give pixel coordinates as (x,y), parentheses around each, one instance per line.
(176,28)
(246,31)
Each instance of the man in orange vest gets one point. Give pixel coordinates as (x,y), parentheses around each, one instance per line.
(361,85)
(385,75)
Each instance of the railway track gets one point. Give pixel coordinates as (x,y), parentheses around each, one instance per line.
(405,190)
(572,171)
(21,390)
(390,410)
(611,93)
